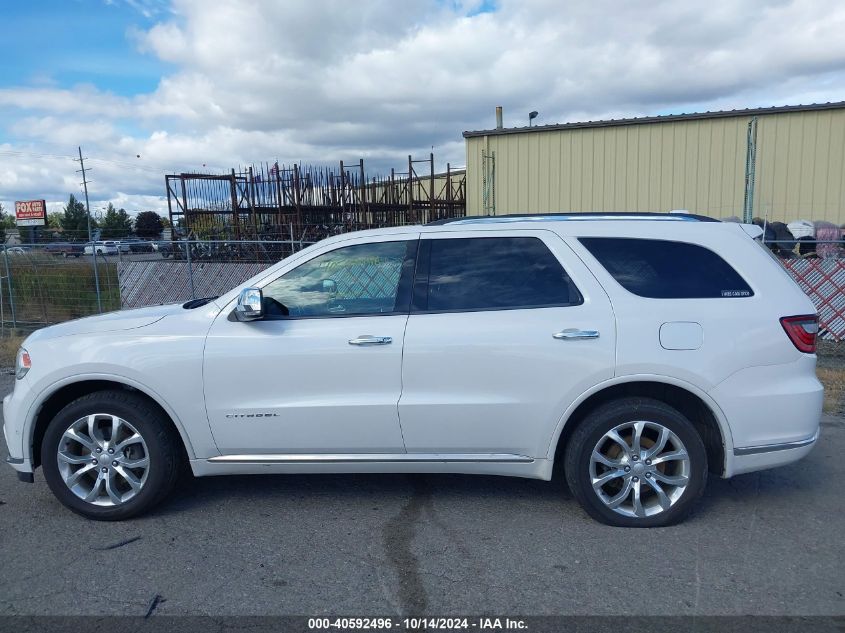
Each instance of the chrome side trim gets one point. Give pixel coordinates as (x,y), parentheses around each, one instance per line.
(771,448)
(358,458)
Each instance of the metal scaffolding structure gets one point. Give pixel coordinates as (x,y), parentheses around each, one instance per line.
(309,203)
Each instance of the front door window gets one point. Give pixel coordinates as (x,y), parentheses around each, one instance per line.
(358,280)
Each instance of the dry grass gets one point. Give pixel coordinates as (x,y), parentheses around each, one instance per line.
(833,379)
(9,345)
(49,291)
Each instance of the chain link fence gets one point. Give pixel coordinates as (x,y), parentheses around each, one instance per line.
(49,283)
(44,284)
(818,266)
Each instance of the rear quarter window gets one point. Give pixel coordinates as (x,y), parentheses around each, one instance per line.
(663,269)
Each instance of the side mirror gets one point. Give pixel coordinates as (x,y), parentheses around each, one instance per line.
(249,306)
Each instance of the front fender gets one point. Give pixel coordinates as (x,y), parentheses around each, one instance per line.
(188,440)
(165,366)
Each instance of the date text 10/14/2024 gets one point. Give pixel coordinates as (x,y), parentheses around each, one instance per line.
(414,624)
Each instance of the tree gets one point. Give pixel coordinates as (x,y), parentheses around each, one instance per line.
(115,223)
(2,225)
(75,220)
(54,219)
(148,224)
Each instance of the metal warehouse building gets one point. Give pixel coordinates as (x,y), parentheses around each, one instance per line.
(782,163)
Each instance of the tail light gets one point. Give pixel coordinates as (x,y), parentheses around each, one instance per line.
(802,331)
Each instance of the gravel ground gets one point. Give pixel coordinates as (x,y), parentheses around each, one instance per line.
(830,354)
(766,543)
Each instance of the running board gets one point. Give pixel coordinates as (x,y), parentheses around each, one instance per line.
(358,458)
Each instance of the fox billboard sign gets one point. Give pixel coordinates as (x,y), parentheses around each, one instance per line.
(30,213)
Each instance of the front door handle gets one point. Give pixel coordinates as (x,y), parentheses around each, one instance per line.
(367,339)
(572,334)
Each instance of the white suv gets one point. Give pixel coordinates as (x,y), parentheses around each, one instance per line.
(639,352)
(103,248)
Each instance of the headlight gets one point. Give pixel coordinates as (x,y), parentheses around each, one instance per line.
(23,363)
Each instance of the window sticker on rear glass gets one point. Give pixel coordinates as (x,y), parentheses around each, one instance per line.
(736,293)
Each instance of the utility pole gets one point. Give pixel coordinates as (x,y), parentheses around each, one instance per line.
(90,240)
(750,172)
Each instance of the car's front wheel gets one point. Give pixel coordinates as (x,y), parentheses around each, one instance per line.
(110,455)
(636,462)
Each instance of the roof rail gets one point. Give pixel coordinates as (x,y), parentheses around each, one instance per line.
(551,217)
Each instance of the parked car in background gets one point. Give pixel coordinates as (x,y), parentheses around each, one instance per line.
(64,249)
(639,352)
(122,245)
(136,245)
(103,248)
(174,249)
(18,250)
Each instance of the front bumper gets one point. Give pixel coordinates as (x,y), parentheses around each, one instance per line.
(13,416)
(23,475)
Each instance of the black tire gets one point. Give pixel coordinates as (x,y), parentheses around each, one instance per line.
(161,440)
(807,246)
(610,415)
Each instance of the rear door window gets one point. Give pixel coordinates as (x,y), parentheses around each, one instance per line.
(663,269)
(490,273)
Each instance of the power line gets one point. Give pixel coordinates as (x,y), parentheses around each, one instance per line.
(34,154)
(158,170)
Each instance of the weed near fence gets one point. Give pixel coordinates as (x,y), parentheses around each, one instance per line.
(38,289)
(42,284)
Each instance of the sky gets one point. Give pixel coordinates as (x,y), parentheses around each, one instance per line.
(149,87)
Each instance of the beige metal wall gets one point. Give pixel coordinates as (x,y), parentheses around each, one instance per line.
(697,165)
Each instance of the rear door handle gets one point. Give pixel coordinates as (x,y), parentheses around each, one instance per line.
(367,339)
(574,334)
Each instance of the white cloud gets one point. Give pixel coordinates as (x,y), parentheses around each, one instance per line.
(83,101)
(255,80)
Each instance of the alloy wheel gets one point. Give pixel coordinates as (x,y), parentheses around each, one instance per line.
(639,469)
(103,459)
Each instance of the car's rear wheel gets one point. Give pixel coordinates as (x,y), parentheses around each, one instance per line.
(110,455)
(636,462)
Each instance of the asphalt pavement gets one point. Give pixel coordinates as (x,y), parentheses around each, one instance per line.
(767,543)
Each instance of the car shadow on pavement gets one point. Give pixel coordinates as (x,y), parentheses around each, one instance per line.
(270,490)
(260,494)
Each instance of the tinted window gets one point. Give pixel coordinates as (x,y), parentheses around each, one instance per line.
(490,273)
(661,269)
(354,280)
